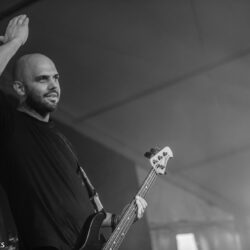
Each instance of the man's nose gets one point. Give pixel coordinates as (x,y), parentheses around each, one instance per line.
(53,83)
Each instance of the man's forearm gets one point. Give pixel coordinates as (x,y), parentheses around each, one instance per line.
(7,51)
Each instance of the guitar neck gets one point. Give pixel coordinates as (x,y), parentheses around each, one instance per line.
(148,182)
(129,215)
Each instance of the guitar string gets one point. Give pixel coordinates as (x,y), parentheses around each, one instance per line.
(117,232)
(130,213)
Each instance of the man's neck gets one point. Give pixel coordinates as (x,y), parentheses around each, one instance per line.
(33,113)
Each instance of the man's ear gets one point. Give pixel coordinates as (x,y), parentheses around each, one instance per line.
(19,88)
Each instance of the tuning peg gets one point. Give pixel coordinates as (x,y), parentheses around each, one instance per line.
(152,152)
(155,150)
(148,155)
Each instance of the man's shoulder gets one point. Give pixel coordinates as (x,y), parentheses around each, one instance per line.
(8,99)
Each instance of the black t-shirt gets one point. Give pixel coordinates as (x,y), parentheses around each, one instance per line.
(39,174)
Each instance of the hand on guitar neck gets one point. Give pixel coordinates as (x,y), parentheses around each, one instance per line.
(141,206)
(112,220)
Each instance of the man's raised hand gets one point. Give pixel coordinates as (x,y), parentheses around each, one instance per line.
(17,30)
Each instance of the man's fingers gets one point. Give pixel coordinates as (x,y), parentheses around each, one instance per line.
(11,22)
(21,19)
(141,201)
(140,213)
(26,21)
(141,206)
(14,21)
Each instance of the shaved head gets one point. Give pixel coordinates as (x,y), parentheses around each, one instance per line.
(27,65)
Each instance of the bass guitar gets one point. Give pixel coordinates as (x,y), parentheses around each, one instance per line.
(90,238)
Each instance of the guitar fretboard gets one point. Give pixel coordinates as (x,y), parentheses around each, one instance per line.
(129,216)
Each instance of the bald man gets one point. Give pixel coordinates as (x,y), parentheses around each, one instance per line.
(38,166)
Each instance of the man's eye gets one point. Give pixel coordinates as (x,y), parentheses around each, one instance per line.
(42,79)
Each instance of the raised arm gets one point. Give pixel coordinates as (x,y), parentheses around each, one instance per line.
(15,36)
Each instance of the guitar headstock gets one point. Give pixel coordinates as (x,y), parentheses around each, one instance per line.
(159,158)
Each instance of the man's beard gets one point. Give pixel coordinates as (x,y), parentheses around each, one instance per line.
(37,104)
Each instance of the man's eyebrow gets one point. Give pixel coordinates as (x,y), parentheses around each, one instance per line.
(41,77)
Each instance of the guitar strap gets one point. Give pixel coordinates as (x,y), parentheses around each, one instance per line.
(93,195)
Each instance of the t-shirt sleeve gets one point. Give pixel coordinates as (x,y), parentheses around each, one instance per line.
(6,115)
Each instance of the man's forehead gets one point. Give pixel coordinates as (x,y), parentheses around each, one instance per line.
(31,65)
(41,66)
(44,69)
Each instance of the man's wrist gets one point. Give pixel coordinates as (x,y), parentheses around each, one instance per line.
(114,221)
(17,42)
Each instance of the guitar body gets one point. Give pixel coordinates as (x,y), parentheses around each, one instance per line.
(90,238)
